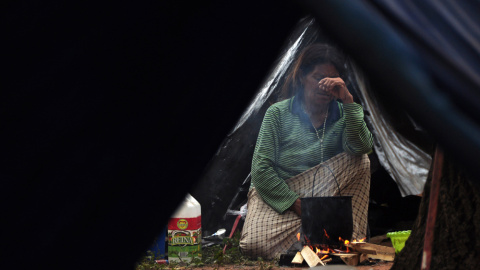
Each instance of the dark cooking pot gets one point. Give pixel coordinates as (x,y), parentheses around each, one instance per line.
(332,215)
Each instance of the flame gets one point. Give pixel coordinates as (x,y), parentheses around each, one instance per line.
(359,241)
(327,250)
(324,251)
(346,242)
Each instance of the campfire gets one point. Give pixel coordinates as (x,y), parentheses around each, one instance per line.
(350,252)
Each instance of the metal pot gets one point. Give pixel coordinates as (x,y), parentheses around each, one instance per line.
(325,219)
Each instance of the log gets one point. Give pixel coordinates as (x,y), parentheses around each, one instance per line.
(310,257)
(327,260)
(383,257)
(374,251)
(351,259)
(363,258)
(369,246)
(298,258)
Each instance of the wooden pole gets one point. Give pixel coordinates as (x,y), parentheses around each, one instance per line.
(233,230)
(432,209)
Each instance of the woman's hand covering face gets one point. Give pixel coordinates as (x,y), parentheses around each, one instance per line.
(337,88)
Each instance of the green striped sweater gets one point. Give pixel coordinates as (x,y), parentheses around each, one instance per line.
(287,145)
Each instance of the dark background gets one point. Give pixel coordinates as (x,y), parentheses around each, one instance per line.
(111,111)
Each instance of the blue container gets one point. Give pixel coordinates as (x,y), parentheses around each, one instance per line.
(158,247)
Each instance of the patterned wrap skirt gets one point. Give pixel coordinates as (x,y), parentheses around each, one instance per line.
(268,234)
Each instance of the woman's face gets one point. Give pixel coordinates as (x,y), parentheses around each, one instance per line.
(313,94)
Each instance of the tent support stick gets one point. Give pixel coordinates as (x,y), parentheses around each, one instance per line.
(233,230)
(432,209)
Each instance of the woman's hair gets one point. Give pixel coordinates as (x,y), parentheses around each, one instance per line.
(312,55)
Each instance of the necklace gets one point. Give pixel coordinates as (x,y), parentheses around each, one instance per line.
(323,134)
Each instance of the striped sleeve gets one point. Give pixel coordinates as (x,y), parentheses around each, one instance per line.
(357,139)
(271,188)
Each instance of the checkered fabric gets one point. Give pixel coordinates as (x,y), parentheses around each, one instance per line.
(268,234)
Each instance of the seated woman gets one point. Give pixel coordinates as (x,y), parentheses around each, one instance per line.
(309,127)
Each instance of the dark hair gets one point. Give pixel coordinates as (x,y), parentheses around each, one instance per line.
(312,55)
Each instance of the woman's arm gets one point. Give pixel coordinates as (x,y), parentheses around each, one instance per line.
(357,139)
(271,188)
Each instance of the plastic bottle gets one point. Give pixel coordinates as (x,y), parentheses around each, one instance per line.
(185,231)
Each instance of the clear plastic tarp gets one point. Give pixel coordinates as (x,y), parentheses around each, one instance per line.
(406,163)
(224,185)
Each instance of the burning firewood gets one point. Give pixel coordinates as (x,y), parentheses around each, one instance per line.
(351,253)
(310,257)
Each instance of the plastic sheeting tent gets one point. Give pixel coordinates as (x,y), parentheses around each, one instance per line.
(226,181)
(425,55)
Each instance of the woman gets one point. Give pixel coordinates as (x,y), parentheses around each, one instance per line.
(309,127)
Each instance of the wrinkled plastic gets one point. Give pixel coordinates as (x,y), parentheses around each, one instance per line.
(273,79)
(406,163)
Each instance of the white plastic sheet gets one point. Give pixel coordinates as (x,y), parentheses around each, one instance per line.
(406,163)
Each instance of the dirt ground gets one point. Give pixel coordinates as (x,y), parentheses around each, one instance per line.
(374,265)
(379,266)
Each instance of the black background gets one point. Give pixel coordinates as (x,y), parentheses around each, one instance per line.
(110,112)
